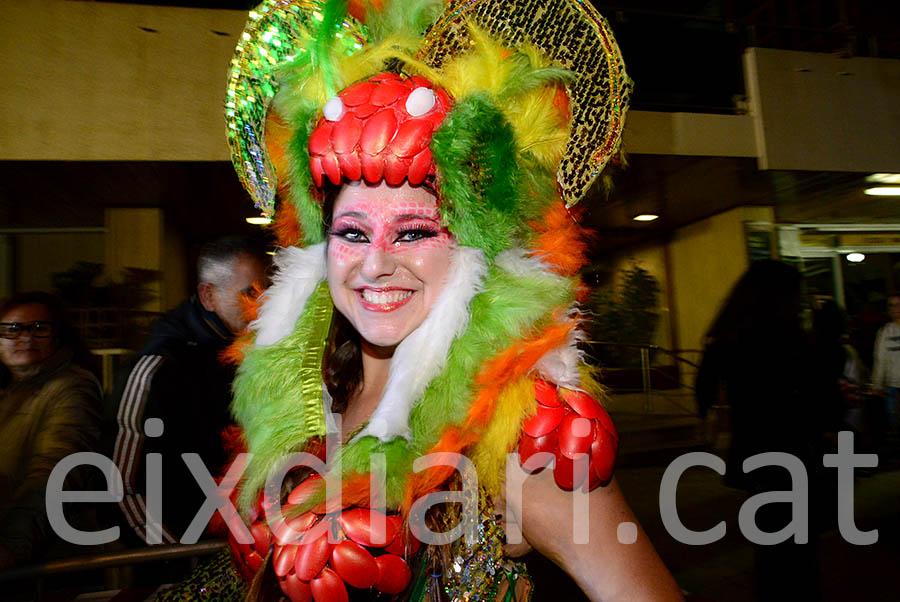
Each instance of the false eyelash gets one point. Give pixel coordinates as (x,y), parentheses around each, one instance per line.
(422,231)
(342,232)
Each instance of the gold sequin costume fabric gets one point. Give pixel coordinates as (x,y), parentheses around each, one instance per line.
(213,581)
(567,32)
(272,38)
(475,569)
(480,570)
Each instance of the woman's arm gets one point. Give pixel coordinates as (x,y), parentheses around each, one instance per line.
(603,567)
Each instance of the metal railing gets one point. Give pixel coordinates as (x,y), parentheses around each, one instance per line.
(646,367)
(106,560)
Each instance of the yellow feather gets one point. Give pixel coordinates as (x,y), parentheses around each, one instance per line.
(590,382)
(482,69)
(502,434)
(541,135)
(539,130)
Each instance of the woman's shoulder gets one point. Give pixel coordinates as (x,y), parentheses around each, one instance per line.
(73,381)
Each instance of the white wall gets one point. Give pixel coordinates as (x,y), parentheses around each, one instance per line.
(820,112)
(83,81)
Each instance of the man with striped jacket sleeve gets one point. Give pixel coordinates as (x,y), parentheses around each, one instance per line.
(175,396)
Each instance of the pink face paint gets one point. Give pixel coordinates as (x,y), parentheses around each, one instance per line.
(388,257)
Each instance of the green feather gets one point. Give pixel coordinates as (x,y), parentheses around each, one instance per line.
(475,154)
(406,17)
(524,77)
(309,211)
(278,394)
(322,49)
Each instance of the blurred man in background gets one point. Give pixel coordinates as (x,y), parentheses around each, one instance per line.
(179,380)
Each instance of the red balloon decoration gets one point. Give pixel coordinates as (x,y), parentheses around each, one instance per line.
(317,556)
(380,128)
(574,427)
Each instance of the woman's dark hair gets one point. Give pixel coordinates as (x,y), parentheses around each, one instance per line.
(765,299)
(65,334)
(342,361)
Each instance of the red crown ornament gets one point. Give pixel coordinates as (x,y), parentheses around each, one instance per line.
(378,129)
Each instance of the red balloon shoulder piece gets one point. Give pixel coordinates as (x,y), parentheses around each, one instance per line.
(575,428)
(378,129)
(317,556)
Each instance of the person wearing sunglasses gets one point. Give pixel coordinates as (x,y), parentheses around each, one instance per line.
(49,408)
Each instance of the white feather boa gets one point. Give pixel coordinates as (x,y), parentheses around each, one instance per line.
(422,355)
(298,272)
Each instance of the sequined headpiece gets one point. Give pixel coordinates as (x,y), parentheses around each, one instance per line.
(308,85)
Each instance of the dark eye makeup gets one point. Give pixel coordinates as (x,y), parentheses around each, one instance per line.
(416,233)
(406,234)
(350,234)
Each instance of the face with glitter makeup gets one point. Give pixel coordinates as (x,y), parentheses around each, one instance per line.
(388,258)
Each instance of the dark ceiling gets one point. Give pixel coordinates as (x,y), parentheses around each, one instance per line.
(683,190)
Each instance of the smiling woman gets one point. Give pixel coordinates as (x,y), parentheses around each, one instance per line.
(425,343)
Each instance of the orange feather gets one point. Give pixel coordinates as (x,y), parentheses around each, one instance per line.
(249,305)
(511,364)
(560,240)
(286,225)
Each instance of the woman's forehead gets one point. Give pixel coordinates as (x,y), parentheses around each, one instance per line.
(28,312)
(385,202)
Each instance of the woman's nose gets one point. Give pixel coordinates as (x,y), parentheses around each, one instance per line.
(378,262)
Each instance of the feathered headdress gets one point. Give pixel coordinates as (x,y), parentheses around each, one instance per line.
(513,108)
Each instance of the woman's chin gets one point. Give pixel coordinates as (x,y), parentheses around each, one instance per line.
(381,344)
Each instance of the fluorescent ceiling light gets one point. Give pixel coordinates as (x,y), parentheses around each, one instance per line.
(855,257)
(884,178)
(645,217)
(260,220)
(883,191)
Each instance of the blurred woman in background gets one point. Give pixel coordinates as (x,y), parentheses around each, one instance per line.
(759,361)
(49,408)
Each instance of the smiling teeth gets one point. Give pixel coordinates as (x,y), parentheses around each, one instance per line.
(384,297)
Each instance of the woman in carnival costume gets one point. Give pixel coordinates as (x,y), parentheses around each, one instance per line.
(424,157)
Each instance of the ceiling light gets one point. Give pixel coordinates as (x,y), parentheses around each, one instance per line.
(884,178)
(855,257)
(883,191)
(645,217)
(260,220)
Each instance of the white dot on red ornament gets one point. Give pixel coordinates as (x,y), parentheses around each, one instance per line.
(581,427)
(420,101)
(333,109)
